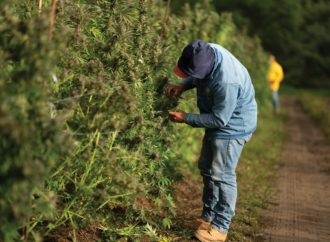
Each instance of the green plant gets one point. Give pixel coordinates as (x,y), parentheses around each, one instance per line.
(96,89)
(31,139)
(317,106)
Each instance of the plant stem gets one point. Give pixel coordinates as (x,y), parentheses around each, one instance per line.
(40,6)
(167,10)
(52,19)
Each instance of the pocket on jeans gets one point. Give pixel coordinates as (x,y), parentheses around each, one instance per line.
(241,141)
(244,140)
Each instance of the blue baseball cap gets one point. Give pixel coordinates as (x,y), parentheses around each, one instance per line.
(197,59)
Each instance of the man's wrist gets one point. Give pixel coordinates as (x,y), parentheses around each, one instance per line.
(187,117)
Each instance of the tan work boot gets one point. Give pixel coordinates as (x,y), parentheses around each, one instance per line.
(210,235)
(203,224)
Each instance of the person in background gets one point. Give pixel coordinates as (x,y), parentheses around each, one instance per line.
(275,76)
(228,113)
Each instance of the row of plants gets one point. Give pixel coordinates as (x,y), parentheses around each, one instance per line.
(86,143)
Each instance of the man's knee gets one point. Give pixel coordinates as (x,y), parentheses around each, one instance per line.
(225,178)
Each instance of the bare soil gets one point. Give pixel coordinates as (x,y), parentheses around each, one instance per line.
(300,210)
(188,202)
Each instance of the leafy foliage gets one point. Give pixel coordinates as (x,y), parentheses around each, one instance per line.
(294,31)
(31,139)
(314,50)
(96,90)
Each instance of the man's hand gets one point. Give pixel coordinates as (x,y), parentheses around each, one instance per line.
(177,117)
(174,90)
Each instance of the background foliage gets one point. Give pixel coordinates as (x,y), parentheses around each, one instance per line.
(85,139)
(296,32)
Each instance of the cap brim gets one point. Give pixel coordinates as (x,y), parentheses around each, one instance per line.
(179,73)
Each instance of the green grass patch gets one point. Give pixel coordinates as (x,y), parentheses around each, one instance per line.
(316,103)
(294,91)
(317,106)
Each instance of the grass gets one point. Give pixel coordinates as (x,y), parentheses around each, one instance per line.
(317,106)
(316,103)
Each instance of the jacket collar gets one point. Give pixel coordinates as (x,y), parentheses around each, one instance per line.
(217,62)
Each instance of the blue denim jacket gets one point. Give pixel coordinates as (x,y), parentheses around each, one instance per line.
(226,99)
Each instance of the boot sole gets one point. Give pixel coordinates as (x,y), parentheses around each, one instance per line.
(205,240)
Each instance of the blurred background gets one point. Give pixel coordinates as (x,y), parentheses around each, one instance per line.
(296,32)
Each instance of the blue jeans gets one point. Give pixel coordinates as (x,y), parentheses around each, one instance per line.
(217,165)
(276,103)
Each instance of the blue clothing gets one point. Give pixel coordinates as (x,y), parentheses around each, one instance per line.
(217,164)
(226,98)
(228,112)
(276,102)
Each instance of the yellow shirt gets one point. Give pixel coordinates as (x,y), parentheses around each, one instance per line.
(275,75)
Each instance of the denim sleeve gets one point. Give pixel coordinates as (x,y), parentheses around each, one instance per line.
(188,83)
(225,100)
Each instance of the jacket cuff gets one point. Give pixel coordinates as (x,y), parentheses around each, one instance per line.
(189,118)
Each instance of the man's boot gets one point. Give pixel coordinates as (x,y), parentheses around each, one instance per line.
(203,224)
(210,235)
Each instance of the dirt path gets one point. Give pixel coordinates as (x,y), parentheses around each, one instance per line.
(301,209)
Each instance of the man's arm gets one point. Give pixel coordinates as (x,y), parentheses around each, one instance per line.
(225,101)
(188,83)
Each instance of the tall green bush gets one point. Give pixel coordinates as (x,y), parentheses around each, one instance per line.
(31,139)
(109,85)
